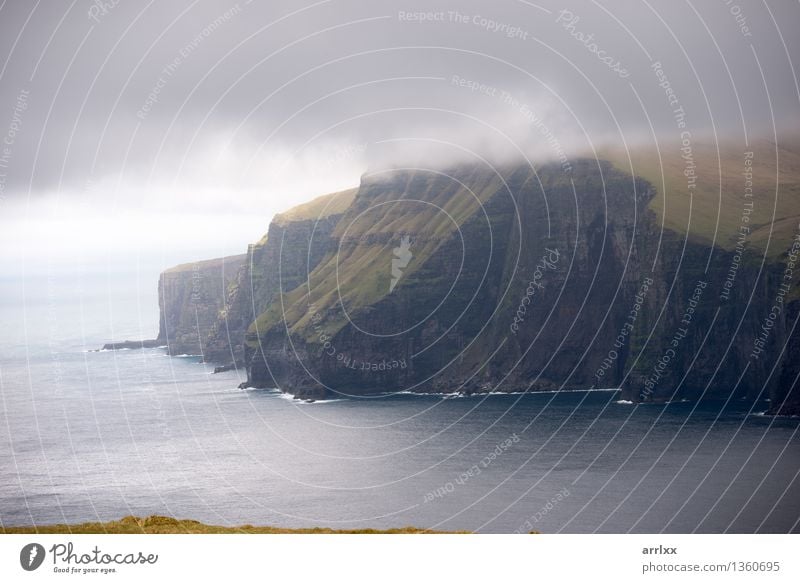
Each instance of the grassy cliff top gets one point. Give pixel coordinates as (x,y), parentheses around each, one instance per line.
(424,206)
(231,262)
(319,208)
(167,525)
(712,211)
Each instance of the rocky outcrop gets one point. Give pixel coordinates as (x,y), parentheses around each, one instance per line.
(132,345)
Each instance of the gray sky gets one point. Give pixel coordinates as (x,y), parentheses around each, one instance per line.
(164,132)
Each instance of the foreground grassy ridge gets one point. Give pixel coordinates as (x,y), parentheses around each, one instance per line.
(167,525)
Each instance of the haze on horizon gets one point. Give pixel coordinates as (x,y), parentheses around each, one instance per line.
(153,135)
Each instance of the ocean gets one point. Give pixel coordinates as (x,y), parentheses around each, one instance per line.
(90,436)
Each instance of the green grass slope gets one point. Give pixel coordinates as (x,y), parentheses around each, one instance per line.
(712,211)
(319,208)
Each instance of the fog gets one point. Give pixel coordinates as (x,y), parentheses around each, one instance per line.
(156,134)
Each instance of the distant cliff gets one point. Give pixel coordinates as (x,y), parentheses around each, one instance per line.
(480,280)
(190,298)
(280,262)
(206,307)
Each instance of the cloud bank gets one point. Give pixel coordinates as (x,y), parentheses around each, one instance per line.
(118,117)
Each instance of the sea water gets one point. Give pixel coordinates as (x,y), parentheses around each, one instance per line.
(88,436)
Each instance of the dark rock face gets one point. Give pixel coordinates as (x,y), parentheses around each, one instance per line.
(785,394)
(132,345)
(190,298)
(471,281)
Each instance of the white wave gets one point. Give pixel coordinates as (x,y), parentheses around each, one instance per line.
(290,397)
(317,402)
(478,394)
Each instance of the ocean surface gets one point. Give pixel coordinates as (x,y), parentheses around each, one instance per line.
(90,436)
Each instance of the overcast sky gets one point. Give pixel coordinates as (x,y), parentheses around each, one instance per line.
(171,131)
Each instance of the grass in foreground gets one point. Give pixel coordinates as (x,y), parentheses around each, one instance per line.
(167,525)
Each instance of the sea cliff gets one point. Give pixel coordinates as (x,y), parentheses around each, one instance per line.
(190,298)
(477,280)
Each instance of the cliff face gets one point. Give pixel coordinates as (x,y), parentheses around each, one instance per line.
(523,282)
(190,298)
(785,394)
(475,281)
(277,264)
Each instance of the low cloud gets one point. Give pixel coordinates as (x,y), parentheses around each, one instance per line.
(251,108)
